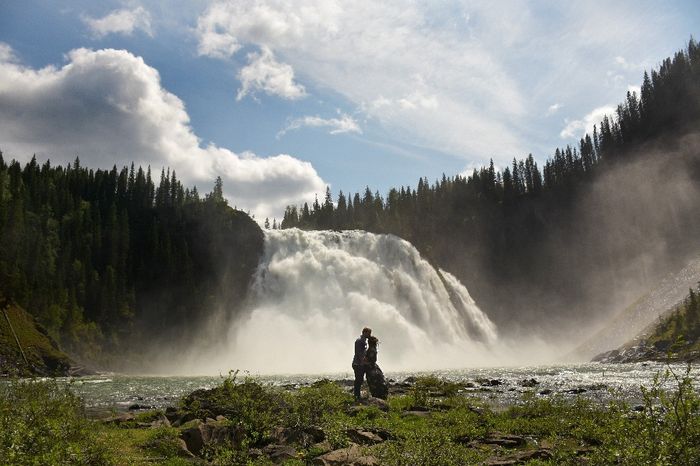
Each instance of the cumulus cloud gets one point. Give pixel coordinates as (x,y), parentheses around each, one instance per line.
(108,107)
(577,128)
(344,124)
(375,53)
(120,22)
(264,73)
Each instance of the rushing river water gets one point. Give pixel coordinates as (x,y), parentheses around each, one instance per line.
(594,381)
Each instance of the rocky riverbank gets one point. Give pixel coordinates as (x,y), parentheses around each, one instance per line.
(426,420)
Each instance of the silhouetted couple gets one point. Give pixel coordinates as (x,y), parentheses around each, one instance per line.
(365,363)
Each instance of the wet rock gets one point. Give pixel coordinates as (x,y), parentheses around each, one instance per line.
(278,454)
(489,382)
(138,407)
(546,391)
(363,437)
(596,387)
(529,383)
(352,455)
(638,408)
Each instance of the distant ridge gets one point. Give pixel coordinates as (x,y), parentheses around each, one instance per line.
(640,315)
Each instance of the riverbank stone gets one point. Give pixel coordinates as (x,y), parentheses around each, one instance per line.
(351,456)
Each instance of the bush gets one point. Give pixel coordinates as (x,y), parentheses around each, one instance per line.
(42,422)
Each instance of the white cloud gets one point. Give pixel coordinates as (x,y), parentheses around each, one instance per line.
(578,128)
(554,108)
(120,22)
(344,124)
(6,53)
(108,107)
(264,73)
(444,90)
(634,89)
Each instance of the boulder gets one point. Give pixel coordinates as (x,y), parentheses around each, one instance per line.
(182,450)
(211,433)
(160,421)
(368,402)
(305,437)
(363,437)
(529,383)
(321,448)
(351,456)
(278,454)
(172,414)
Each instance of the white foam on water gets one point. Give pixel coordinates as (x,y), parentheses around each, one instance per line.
(315,290)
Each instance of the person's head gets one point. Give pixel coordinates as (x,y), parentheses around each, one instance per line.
(366,332)
(372,341)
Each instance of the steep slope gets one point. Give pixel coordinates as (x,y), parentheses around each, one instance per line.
(25,346)
(644,313)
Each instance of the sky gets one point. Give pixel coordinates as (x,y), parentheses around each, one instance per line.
(283,98)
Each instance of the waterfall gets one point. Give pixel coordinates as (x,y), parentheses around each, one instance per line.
(315,290)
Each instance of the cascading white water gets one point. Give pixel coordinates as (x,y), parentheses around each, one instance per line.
(314,291)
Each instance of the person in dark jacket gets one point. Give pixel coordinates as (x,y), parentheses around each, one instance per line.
(378,386)
(359,361)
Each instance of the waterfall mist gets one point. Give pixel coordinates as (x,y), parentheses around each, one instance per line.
(315,290)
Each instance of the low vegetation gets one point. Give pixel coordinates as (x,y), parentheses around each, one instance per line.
(428,422)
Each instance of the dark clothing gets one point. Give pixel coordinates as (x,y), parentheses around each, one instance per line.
(360,350)
(359,377)
(378,386)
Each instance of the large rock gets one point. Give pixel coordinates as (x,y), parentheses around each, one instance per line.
(378,403)
(351,456)
(278,454)
(305,437)
(212,432)
(363,437)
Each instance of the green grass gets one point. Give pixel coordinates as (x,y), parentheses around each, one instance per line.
(44,424)
(41,351)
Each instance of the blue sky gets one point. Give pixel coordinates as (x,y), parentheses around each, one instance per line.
(282,98)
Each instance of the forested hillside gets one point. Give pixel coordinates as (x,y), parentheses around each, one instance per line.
(568,241)
(106,258)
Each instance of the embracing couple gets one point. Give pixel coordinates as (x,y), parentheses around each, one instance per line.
(365,363)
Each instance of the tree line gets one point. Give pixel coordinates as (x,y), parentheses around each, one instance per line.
(106,257)
(497,225)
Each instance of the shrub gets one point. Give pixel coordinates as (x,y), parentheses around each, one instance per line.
(42,422)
